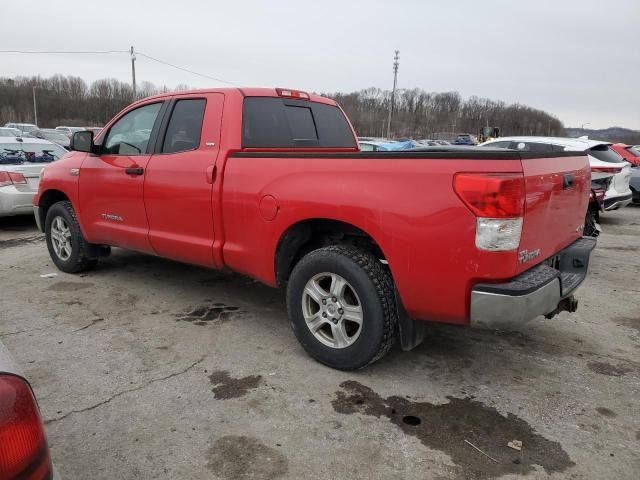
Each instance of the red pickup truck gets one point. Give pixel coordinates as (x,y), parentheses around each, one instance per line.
(370,245)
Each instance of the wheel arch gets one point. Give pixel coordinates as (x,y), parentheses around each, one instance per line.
(309,234)
(47,199)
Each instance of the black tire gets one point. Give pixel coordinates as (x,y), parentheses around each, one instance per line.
(373,285)
(78,259)
(590,223)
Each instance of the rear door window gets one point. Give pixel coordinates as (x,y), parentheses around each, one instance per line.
(185,126)
(604,153)
(269,122)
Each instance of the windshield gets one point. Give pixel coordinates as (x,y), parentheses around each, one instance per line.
(61,137)
(635,151)
(604,153)
(23,152)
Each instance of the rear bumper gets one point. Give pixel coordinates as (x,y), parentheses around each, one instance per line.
(615,203)
(15,202)
(542,290)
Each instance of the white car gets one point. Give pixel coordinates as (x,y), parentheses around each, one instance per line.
(21,161)
(602,158)
(69,131)
(23,127)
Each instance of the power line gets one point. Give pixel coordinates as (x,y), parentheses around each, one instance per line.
(186,69)
(62,52)
(91,52)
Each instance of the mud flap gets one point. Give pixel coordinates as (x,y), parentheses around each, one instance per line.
(411,332)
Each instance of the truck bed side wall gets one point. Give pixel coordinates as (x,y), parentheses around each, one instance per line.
(408,206)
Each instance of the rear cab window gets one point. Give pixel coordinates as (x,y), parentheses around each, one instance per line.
(269,122)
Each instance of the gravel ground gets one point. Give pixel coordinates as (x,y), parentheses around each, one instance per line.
(146,368)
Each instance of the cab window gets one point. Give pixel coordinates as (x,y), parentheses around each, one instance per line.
(130,134)
(185,126)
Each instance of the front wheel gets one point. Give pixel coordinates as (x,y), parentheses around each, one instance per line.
(342,307)
(67,247)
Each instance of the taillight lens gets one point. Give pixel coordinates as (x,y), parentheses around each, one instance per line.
(491,195)
(498,202)
(24,453)
(606,169)
(9,178)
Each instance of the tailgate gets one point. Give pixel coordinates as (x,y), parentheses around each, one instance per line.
(557,195)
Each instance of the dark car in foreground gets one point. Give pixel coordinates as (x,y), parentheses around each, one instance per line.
(24,453)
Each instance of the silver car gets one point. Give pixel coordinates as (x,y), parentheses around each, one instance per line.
(21,161)
(24,452)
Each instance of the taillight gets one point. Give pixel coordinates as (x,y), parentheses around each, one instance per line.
(9,178)
(24,453)
(498,202)
(284,92)
(491,195)
(606,169)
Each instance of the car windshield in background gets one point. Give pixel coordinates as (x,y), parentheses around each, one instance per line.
(604,153)
(61,137)
(635,151)
(17,153)
(8,132)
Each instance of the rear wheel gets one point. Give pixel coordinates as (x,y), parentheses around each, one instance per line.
(591,222)
(342,307)
(67,247)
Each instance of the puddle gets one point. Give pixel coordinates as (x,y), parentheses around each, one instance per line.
(226,387)
(446,427)
(604,368)
(235,456)
(605,412)
(203,314)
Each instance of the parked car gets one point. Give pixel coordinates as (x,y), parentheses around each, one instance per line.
(274,186)
(21,161)
(9,132)
(429,143)
(629,153)
(635,184)
(602,158)
(24,453)
(55,136)
(68,131)
(465,139)
(23,127)
(95,130)
(388,146)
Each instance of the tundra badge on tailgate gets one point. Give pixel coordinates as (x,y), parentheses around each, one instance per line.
(525,256)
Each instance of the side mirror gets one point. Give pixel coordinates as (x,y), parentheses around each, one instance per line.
(82,141)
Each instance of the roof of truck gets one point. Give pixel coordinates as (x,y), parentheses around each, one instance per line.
(244,91)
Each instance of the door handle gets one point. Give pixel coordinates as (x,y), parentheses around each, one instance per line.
(134,171)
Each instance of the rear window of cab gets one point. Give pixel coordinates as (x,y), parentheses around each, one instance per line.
(269,122)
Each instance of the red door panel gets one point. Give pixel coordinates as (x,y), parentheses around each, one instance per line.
(178,192)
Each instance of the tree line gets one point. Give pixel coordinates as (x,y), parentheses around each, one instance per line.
(420,114)
(69,100)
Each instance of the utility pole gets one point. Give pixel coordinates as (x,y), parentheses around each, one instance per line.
(133,71)
(396,57)
(35,110)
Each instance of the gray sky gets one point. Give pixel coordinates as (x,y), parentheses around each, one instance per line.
(577,59)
